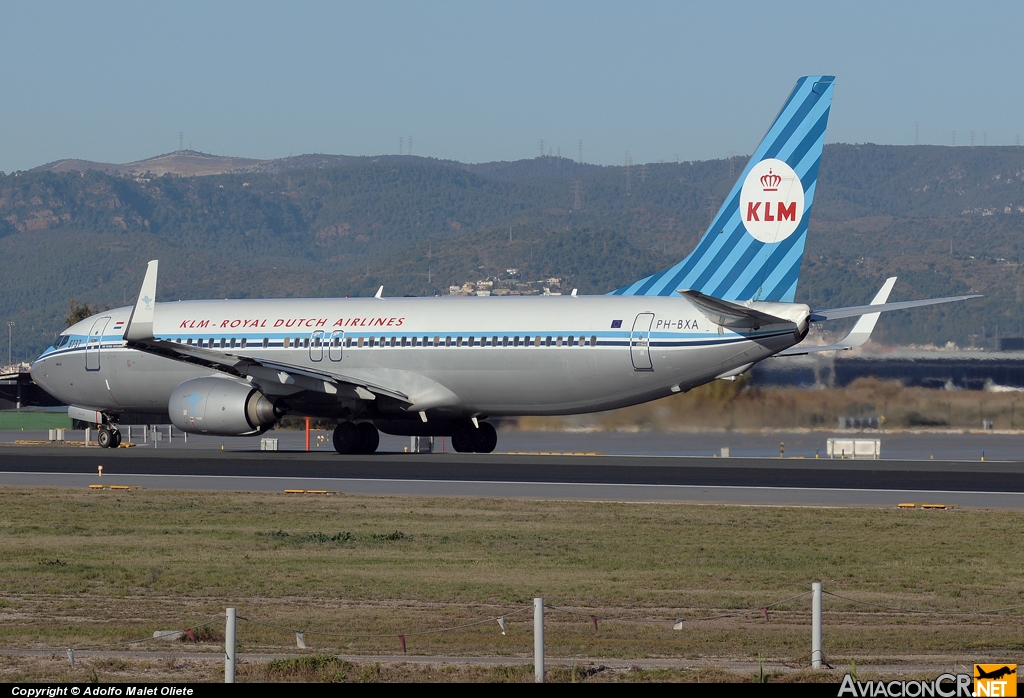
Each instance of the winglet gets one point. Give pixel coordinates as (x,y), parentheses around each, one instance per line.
(861,331)
(140,324)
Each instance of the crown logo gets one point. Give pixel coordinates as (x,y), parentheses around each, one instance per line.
(771,181)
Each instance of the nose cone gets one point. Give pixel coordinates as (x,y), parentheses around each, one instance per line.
(39,372)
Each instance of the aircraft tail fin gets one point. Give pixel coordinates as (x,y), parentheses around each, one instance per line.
(754,247)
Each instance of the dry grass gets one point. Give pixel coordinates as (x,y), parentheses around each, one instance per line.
(85,568)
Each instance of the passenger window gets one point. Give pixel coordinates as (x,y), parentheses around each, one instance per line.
(448,341)
(189,342)
(547,342)
(593,340)
(570,340)
(458,341)
(536,341)
(359,343)
(266,342)
(504,341)
(287,342)
(470,340)
(212,343)
(437,340)
(558,341)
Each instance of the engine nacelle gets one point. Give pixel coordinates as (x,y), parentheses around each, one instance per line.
(221,407)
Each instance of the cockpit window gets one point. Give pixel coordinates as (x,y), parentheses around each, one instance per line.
(64,339)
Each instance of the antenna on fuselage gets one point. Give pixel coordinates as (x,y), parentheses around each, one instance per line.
(380,293)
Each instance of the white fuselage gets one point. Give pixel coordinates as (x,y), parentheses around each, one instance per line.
(452,356)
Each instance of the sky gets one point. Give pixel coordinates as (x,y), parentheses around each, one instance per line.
(486,80)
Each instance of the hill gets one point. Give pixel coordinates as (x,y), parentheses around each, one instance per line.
(945,220)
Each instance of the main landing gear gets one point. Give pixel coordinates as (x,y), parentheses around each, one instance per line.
(353,438)
(468,438)
(108,437)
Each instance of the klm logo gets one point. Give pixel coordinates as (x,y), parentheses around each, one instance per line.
(771,201)
(783,212)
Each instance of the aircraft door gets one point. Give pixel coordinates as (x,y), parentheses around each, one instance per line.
(640,342)
(316,346)
(92,344)
(337,342)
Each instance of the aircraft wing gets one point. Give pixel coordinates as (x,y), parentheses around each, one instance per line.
(273,376)
(869,315)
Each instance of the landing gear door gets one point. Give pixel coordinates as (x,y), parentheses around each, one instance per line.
(92,344)
(337,342)
(640,342)
(316,346)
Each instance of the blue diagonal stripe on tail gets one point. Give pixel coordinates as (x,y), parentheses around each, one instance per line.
(754,246)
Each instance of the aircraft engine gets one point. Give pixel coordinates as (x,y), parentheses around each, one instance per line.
(221,407)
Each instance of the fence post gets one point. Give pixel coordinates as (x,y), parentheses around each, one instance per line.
(229,647)
(538,640)
(816,655)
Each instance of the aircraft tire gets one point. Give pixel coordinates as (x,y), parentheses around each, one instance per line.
(346,438)
(105,438)
(369,437)
(117,439)
(487,438)
(464,439)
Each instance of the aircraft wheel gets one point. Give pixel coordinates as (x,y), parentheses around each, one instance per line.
(105,438)
(369,437)
(464,439)
(346,438)
(487,438)
(117,439)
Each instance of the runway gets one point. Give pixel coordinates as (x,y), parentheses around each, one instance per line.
(750,481)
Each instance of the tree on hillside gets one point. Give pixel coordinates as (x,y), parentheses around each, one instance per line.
(80,311)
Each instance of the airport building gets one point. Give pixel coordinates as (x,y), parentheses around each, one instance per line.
(950,370)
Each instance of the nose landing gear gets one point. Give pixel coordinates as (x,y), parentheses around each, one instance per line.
(108,437)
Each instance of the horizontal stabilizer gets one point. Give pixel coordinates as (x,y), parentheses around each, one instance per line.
(869,314)
(860,333)
(856,310)
(729,314)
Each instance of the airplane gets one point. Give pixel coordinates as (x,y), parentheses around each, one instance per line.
(442,366)
(995,673)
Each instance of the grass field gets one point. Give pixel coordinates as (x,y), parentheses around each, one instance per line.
(83,568)
(17,421)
